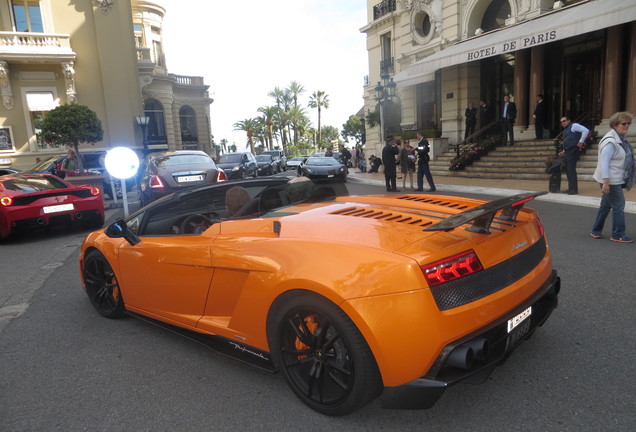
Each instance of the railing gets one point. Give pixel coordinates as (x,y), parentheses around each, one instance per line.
(383,8)
(187,80)
(474,146)
(387,65)
(25,41)
(144,54)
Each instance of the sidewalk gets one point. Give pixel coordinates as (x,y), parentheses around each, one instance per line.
(589,191)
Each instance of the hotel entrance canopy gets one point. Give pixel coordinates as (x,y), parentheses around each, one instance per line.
(560,24)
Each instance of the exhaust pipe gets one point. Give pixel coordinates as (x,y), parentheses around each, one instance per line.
(40,221)
(480,348)
(461,357)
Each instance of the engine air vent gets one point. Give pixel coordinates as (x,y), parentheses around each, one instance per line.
(387,216)
(434,201)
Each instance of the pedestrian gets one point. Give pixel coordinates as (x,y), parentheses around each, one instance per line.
(375,163)
(574,136)
(389,152)
(423,170)
(345,156)
(614,171)
(354,157)
(485,115)
(69,165)
(508,116)
(329,152)
(539,117)
(471,120)
(407,164)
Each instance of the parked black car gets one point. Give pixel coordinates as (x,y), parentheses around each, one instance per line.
(238,165)
(323,167)
(92,161)
(279,158)
(5,171)
(162,173)
(266,165)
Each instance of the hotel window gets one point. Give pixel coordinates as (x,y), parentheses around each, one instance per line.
(39,104)
(187,120)
(386,65)
(27,16)
(139,35)
(156,132)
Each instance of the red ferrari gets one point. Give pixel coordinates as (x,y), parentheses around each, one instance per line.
(29,201)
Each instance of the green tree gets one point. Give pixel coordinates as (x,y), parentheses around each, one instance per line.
(294,90)
(331,135)
(269,114)
(250,127)
(70,125)
(354,129)
(319,99)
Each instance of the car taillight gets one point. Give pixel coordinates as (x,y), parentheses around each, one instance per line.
(220,176)
(94,191)
(155,182)
(453,267)
(6,201)
(540,226)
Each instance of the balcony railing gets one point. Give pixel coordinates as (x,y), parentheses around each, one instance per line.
(383,8)
(387,65)
(26,44)
(187,80)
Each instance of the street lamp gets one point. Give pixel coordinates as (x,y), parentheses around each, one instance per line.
(143,121)
(384,92)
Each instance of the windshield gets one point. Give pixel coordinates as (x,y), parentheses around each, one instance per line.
(322,161)
(263,158)
(230,158)
(183,160)
(33,183)
(274,154)
(298,158)
(43,165)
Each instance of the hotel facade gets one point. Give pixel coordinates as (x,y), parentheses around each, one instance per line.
(105,54)
(439,55)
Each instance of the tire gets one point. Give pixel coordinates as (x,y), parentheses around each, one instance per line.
(323,356)
(102,286)
(244,174)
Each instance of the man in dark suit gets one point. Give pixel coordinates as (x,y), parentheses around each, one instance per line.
(471,119)
(539,117)
(485,116)
(389,152)
(508,116)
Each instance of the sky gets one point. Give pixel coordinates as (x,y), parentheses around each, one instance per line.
(245,48)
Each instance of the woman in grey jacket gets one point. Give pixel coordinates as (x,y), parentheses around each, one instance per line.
(615,172)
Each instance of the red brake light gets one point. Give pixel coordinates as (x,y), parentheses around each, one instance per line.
(6,201)
(453,267)
(155,182)
(94,191)
(540,226)
(220,176)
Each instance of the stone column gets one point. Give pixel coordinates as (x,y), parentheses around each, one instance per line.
(631,71)
(536,78)
(5,86)
(521,89)
(612,84)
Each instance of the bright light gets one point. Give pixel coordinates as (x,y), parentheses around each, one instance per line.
(121,162)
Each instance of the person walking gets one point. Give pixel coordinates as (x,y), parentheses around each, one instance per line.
(539,117)
(407,164)
(471,120)
(508,116)
(389,152)
(614,172)
(423,170)
(574,136)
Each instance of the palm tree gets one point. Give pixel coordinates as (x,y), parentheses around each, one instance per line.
(296,116)
(269,112)
(295,89)
(250,127)
(318,100)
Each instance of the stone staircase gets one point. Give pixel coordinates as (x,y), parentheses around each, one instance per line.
(523,161)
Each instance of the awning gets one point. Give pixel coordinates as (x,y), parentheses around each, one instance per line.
(40,101)
(560,24)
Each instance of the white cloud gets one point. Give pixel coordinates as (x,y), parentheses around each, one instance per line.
(244,49)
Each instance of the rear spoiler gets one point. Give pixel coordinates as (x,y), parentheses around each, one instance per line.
(483,215)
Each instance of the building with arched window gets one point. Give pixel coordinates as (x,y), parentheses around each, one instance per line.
(107,55)
(441,55)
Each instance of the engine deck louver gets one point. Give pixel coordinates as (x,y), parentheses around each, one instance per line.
(387,216)
(434,201)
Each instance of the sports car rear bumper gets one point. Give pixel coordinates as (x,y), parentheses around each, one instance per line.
(473,357)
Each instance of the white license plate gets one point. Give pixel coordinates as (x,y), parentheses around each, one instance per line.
(515,321)
(57,208)
(191,178)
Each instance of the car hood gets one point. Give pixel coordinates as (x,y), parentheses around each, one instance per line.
(229,166)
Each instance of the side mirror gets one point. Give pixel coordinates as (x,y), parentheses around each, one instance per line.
(119,229)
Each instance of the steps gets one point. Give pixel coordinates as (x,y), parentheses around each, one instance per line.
(523,161)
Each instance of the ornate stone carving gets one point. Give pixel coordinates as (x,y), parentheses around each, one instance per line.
(69,81)
(5,86)
(105,5)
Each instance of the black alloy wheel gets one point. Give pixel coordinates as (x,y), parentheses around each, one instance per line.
(102,286)
(323,356)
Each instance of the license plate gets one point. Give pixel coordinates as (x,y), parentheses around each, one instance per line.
(191,178)
(57,208)
(515,321)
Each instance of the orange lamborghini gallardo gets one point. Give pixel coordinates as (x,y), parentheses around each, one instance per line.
(350,297)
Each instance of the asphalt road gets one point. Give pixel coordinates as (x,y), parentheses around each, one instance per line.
(64,367)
